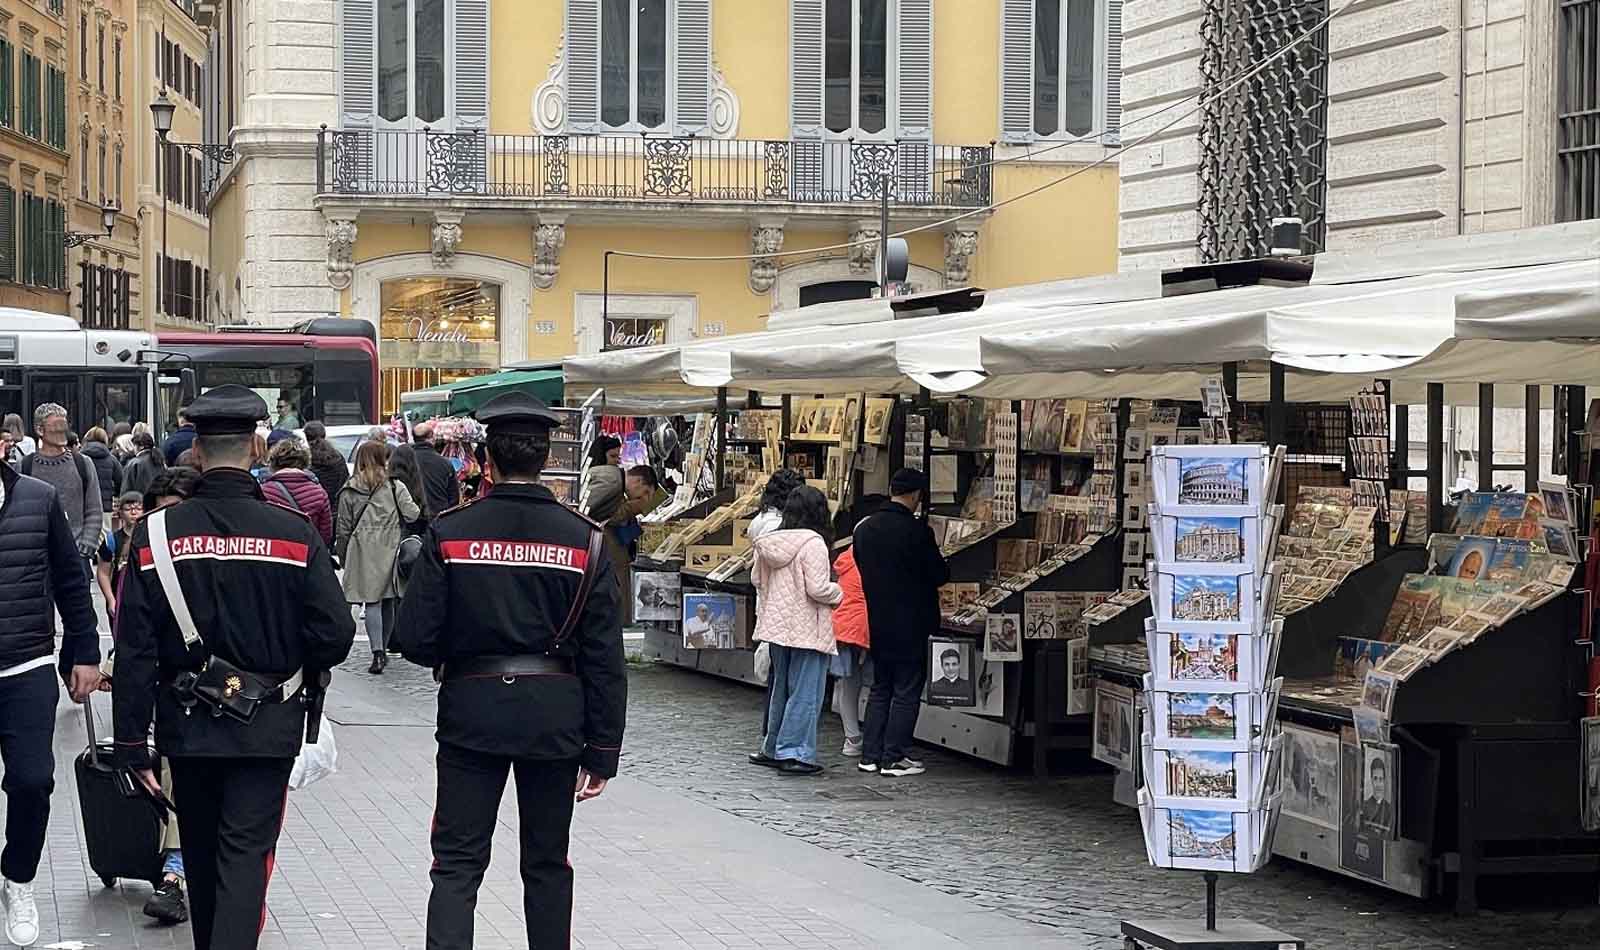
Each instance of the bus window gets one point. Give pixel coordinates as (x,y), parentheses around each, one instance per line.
(11,401)
(116,400)
(62,390)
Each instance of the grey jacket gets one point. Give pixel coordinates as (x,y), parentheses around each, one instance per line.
(374,536)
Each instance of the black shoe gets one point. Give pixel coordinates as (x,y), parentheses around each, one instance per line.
(166,904)
(761,758)
(797,767)
(378,662)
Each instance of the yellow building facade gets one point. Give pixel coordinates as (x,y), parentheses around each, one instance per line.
(481,157)
(34,156)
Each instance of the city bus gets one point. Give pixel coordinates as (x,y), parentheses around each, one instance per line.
(101,377)
(324,369)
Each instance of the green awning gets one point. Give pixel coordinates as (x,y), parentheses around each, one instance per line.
(467,395)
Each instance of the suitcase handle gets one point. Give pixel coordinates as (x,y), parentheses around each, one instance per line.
(88,724)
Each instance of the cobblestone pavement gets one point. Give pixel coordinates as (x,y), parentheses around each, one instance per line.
(1057,852)
(695,847)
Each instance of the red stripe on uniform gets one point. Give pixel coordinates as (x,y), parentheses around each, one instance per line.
(515,554)
(213,547)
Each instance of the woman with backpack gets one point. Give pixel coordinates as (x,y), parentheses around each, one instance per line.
(290,484)
(372,514)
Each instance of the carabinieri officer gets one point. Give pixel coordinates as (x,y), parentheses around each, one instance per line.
(514,605)
(227,617)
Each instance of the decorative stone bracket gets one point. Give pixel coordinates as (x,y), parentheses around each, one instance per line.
(766,238)
(549,237)
(446,237)
(863,253)
(341,232)
(959,246)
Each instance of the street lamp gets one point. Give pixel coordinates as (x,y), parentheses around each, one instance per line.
(108,220)
(161,111)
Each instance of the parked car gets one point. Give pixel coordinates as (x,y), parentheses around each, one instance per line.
(346,439)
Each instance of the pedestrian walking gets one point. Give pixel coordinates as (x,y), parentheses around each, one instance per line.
(113,553)
(512,604)
(795,597)
(73,478)
(122,441)
(107,470)
(326,462)
(147,462)
(180,440)
(850,627)
(901,572)
(292,485)
(372,514)
(441,489)
(22,445)
(40,573)
(403,468)
(233,610)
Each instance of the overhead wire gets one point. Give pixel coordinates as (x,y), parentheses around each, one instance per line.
(1199,98)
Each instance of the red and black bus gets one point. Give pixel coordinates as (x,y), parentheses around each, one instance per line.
(323,369)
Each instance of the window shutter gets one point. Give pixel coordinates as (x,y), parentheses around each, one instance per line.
(58,249)
(583,65)
(806,26)
(358,83)
(8,233)
(1113,67)
(692,98)
(5,84)
(805,68)
(915,84)
(472,65)
(1016,71)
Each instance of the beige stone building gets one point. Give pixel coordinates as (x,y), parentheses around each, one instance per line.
(34,161)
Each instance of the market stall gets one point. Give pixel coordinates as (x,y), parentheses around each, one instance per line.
(1035,419)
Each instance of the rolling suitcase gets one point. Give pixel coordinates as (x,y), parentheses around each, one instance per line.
(123,834)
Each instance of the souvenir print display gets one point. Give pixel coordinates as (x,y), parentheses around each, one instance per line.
(1213,752)
(1311,770)
(1113,725)
(708,621)
(657,596)
(1002,640)
(875,428)
(1589,794)
(951,683)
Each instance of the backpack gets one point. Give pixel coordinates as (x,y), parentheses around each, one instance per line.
(284,490)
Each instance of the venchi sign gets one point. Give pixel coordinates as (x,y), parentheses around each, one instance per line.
(434,331)
(629,333)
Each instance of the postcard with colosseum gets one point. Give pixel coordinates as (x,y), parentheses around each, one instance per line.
(1228,476)
(1206,598)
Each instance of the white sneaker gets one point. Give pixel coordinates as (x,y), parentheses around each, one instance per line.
(852,747)
(902,768)
(22,915)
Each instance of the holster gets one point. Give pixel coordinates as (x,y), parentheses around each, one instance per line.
(227,690)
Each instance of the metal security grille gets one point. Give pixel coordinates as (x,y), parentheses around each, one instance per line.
(1264,144)
(1578,110)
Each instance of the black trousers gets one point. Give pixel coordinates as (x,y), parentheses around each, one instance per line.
(892,709)
(27,731)
(229,815)
(470,786)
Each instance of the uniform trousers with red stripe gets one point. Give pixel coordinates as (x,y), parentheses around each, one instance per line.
(468,803)
(230,812)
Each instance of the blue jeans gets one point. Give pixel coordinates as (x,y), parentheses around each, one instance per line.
(797,681)
(173,863)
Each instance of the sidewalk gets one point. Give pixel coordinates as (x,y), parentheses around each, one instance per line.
(655,871)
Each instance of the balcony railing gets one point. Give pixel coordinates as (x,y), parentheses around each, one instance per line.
(635,168)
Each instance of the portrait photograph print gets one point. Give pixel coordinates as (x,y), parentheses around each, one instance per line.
(1002,638)
(708,621)
(657,595)
(1367,809)
(951,681)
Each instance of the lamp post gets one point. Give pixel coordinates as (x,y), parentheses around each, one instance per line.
(108,220)
(161,112)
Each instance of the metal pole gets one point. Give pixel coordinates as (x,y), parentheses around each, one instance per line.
(1211,900)
(1577,422)
(605,295)
(1277,412)
(722,433)
(883,236)
(162,277)
(1435,456)
(1486,437)
(1230,388)
(1530,439)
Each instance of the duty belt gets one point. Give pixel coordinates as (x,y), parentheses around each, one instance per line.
(506,667)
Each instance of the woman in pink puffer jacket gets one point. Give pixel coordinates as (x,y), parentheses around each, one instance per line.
(794,617)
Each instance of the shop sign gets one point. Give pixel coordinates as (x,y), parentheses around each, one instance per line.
(436,331)
(628,333)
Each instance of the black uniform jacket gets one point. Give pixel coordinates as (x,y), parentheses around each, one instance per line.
(261,588)
(497,577)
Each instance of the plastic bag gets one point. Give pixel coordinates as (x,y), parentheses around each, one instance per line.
(763,661)
(315,762)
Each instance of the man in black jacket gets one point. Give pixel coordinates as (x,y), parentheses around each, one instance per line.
(438,475)
(39,567)
(901,571)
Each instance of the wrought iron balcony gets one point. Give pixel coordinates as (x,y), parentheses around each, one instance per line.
(578,168)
